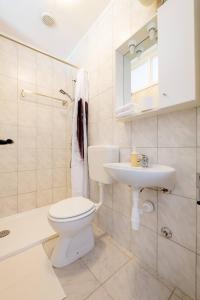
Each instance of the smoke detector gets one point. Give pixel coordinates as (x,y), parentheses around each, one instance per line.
(48,19)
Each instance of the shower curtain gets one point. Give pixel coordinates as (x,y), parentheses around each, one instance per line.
(79,162)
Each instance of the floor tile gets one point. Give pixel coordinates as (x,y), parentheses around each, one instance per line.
(29,275)
(174,297)
(100,294)
(133,282)
(176,265)
(77,281)
(105,259)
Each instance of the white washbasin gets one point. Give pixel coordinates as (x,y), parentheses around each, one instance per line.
(156,176)
(138,177)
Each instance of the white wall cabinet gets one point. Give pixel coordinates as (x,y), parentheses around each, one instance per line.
(178,30)
(177,53)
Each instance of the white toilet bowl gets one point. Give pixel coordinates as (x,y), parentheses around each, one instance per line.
(71,219)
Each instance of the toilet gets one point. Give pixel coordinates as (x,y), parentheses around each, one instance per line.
(71,218)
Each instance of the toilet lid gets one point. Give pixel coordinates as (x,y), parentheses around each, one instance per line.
(71,207)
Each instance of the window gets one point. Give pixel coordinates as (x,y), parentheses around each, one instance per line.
(144,70)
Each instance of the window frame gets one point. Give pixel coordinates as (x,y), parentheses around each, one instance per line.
(146,57)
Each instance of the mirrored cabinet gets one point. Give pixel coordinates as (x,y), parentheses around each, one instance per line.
(158,68)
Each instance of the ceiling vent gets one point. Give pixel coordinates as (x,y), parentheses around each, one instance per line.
(48,19)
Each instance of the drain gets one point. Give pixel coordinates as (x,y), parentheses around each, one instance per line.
(4,233)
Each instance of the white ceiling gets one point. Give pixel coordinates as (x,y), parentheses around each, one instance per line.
(21,19)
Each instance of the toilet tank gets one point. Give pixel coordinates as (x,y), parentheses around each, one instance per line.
(97,157)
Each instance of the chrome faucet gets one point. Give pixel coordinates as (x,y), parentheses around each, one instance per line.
(144,161)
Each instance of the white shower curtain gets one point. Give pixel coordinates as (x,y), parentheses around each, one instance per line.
(79,162)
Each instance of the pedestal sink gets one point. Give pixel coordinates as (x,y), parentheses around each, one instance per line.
(157,176)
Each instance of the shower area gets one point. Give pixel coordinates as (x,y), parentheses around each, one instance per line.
(35,127)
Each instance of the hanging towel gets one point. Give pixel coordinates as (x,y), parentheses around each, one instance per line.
(79,163)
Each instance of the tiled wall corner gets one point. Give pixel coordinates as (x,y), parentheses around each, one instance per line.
(33,169)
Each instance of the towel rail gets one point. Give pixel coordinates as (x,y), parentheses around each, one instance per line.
(24,93)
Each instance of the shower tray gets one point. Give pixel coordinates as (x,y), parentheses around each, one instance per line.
(25,230)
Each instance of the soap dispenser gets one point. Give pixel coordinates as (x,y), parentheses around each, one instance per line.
(135,162)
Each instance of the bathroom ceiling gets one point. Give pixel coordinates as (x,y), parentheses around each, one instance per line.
(21,19)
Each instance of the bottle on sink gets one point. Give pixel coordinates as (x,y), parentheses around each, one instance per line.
(135,159)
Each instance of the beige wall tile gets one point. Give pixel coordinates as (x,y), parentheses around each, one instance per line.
(121,230)
(198,127)
(182,225)
(27,137)
(145,132)
(106,105)
(121,22)
(105,219)
(106,75)
(27,72)
(177,129)
(141,14)
(93,133)
(26,159)
(44,138)
(177,265)
(8,113)
(59,194)
(8,206)
(26,201)
(121,134)
(44,179)
(149,220)
(59,177)
(27,114)
(198,277)
(8,159)
(8,62)
(26,182)
(108,192)
(94,191)
(44,197)
(9,131)
(8,184)
(44,158)
(37,126)
(8,89)
(60,158)
(198,229)
(125,154)
(44,116)
(105,135)
(144,246)
(122,199)
(184,161)
(59,138)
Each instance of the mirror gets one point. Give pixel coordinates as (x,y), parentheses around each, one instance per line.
(139,57)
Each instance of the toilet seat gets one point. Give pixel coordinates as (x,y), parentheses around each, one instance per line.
(71,209)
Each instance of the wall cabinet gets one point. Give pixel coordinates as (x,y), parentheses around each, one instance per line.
(178,32)
(176,52)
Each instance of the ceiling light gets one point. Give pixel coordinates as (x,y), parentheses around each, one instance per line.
(146,2)
(48,19)
(151,29)
(132,45)
(139,51)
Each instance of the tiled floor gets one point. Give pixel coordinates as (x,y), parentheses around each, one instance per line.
(109,272)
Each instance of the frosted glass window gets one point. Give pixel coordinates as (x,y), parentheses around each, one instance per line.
(139,77)
(154,68)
